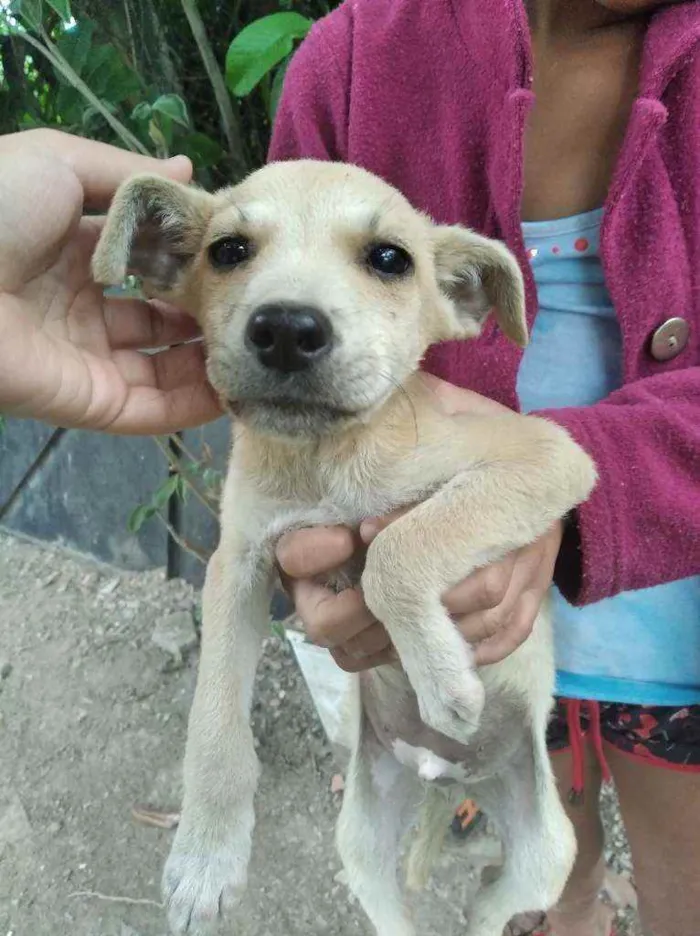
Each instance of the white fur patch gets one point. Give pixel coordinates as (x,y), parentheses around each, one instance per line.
(427,765)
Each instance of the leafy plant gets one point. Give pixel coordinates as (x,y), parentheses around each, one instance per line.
(259,54)
(199,77)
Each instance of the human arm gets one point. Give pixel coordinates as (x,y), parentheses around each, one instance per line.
(68,355)
(641,526)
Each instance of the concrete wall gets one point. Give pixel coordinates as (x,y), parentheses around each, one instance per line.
(77,489)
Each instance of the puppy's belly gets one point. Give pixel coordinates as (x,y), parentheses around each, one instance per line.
(391,707)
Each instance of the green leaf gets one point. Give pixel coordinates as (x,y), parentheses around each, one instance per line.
(62,7)
(201,149)
(276,90)
(165,491)
(69,104)
(29,11)
(278,630)
(108,77)
(182,488)
(260,46)
(92,115)
(75,45)
(160,137)
(138,517)
(142,111)
(172,106)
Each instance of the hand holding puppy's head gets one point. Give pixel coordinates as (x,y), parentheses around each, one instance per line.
(318,287)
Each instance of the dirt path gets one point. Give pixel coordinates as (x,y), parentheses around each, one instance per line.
(92,722)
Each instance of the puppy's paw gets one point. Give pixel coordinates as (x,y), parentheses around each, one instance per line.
(454,709)
(199,889)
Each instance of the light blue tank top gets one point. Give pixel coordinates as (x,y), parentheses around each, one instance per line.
(639,647)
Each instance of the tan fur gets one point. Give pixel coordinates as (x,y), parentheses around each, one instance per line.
(356,436)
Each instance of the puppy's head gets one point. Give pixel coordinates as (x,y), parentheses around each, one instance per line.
(317,286)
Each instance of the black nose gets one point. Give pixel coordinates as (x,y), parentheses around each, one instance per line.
(287,337)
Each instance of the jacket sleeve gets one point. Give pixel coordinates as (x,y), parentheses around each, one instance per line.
(641,526)
(312,116)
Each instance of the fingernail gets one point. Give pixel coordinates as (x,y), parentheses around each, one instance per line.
(181,161)
(368,530)
(283,540)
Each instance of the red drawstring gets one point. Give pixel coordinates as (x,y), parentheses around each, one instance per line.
(577,736)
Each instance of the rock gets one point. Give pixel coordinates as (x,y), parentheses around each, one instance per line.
(14,823)
(109,587)
(5,669)
(127,931)
(176,635)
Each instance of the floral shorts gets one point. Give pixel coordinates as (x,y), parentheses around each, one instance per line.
(667,737)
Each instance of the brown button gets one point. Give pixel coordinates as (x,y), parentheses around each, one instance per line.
(669,339)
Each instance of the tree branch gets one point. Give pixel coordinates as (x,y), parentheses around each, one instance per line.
(49,51)
(230,123)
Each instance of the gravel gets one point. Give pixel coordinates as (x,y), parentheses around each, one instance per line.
(97,674)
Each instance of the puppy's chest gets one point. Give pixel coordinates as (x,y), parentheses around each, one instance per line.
(336,499)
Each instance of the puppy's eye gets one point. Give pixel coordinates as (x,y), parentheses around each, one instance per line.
(389,260)
(229,251)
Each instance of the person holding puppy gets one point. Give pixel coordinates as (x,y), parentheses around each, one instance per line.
(569,129)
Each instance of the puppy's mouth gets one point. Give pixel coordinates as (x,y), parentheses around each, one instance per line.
(283,408)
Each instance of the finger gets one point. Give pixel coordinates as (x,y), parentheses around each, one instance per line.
(481,626)
(368,643)
(179,367)
(168,391)
(101,168)
(513,634)
(132,323)
(484,589)
(315,551)
(350,665)
(330,619)
(150,411)
(372,526)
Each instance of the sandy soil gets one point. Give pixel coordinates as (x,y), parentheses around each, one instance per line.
(93,708)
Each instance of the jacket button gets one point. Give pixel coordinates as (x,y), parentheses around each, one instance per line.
(669,339)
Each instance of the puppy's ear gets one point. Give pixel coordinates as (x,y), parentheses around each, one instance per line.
(479,275)
(153,230)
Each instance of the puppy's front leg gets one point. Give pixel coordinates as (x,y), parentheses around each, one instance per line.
(207,867)
(502,503)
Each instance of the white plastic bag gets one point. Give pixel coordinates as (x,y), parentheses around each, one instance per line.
(335,693)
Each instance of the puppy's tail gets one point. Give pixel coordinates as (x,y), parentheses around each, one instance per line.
(433,822)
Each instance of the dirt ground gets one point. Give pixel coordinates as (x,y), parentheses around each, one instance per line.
(93,708)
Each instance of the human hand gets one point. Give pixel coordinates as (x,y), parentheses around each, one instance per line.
(69,355)
(494,608)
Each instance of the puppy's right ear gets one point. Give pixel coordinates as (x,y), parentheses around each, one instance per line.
(153,230)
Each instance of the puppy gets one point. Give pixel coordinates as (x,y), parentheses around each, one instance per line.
(318,289)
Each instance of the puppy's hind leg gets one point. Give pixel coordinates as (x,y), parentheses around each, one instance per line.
(381,797)
(538,840)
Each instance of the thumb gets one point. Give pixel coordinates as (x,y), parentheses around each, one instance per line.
(373,526)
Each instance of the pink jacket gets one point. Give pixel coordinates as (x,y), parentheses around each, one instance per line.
(433,96)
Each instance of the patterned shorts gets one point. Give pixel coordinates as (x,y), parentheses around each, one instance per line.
(667,737)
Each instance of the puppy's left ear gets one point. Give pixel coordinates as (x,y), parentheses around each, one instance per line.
(479,275)
(153,230)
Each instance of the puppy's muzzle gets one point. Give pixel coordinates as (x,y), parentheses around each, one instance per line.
(287,337)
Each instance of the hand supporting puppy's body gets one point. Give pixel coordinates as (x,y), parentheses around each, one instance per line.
(319,289)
